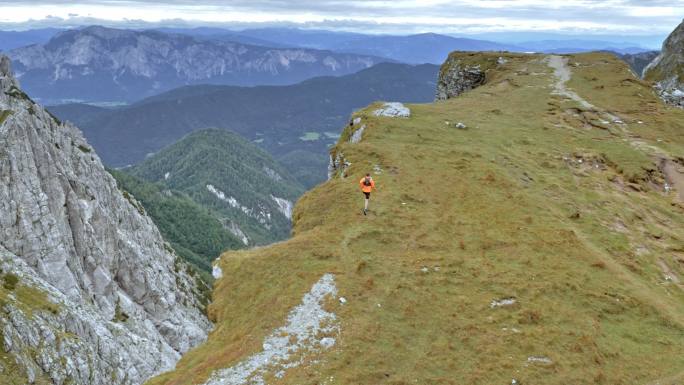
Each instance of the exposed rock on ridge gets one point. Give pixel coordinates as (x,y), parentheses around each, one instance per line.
(667,69)
(126,307)
(457,77)
(463,71)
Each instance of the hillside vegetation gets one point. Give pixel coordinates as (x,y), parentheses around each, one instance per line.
(543,243)
(236,182)
(192,230)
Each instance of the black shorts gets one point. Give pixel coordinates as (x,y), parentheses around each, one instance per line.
(367,194)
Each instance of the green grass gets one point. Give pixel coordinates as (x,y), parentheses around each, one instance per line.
(4,114)
(28,300)
(310,136)
(495,208)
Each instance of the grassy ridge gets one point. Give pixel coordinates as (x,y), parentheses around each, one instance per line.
(537,200)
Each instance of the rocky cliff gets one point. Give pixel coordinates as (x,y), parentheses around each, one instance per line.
(667,69)
(92,294)
(463,71)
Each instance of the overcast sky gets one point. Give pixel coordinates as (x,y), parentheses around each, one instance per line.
(653,17)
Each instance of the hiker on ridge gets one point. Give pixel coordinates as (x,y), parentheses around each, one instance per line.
(367,185)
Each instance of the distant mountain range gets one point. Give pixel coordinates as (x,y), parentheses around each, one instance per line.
(103,64)
(295,123)
(422,48)
(129,65)
(15,39)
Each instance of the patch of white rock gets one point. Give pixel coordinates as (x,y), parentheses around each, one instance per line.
(393,110)
(262,216)
(309,330)
(284,206)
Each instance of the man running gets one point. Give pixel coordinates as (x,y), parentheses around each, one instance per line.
(367,185)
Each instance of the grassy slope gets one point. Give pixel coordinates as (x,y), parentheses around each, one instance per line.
(493,206)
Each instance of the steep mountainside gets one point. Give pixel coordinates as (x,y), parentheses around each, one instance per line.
(296,124)
(667,69)
(91,293)
(102,64)
(242,186)
(540,241)
(193,231)
(639,61)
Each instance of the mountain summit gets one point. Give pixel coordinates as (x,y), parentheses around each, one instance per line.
(91,293)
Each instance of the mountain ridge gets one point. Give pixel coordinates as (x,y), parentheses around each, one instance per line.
(129,65)
(522,231)
(667,69)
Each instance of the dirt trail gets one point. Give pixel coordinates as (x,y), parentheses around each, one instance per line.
(563,75)
(561,71)
(675,176)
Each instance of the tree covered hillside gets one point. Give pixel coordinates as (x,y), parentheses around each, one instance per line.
(249,193)
(192,230)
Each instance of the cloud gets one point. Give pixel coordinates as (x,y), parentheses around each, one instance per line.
(379,16)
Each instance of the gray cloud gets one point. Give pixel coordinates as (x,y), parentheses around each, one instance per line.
(457,16)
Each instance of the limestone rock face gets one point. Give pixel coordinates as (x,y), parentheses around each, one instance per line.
(457,77)
(667,69)
(125,308)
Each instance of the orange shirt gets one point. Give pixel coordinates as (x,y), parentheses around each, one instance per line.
(365,188)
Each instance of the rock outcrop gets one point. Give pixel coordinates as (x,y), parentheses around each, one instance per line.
(393,110)
(463,71)
(118,306)
(667,69)
(456,77)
